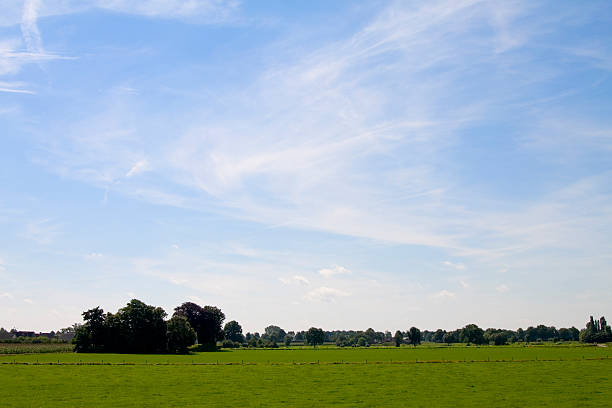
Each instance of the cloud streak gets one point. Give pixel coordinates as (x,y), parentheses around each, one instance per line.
(29,27)
(298,146)
(325,294)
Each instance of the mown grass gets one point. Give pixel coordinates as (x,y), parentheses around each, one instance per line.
(542,383)
(335,355)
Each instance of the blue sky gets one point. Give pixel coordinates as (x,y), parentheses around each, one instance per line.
(337,164)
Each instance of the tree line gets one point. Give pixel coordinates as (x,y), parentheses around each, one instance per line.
(142,328)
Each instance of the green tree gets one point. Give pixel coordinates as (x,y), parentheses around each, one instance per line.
(370,335)
(362,342)
(597,331)
(342,341)
(315,336)
(252,342)
(499,339)
(207,322)
(450,337)
(288,340)
(414,335)
(143,328)
(398,338)
(274,333)
(90,336)
(233,332)
(180,335)
(471,334)
(438,336)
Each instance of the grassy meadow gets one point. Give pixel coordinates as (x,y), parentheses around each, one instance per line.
(303,377)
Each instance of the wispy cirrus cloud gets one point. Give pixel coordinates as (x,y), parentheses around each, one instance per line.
(205,11)
(443,294)
(15,87)
(140,167)
(29,26)
(325,294)
(458,266)
(12,55)
(295,279)
(365,136)
(336,270)
(43,231)
(503,288)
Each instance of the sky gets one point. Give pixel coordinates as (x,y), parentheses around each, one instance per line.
(340,164)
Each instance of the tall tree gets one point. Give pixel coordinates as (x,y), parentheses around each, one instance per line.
(233,331)
(471,334)
(207,322)
(315,336)
(398,338)
(370,335)
(90,336)
(143,328)
(274,333)
(180,335)
(414,335)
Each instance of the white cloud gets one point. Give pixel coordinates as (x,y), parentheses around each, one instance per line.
(296,279)
(42,231)
(458,266)
(195,299)
(336,270)
(29,301)
(140,167)
(464,284)
(29,26)
(14,87)
(204,11)
(325,294)
(443,294)
(6,295)
(503,288)
(210,10)
(94,256)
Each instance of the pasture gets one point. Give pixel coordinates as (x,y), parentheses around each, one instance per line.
(421,376)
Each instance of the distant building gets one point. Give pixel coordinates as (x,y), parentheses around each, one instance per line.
(21,333)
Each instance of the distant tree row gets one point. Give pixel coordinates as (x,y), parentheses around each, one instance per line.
(141,328)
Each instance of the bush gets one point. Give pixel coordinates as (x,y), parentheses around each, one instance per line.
(362,342)
(230,344)
(270,344)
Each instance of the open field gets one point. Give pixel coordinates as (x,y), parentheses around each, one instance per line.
(391,377)
(337,355)
(584,383)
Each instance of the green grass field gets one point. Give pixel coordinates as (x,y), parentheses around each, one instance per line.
(391,377)
(337,355)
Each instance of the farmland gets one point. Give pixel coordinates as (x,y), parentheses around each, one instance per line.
(29,348)
(421,376)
